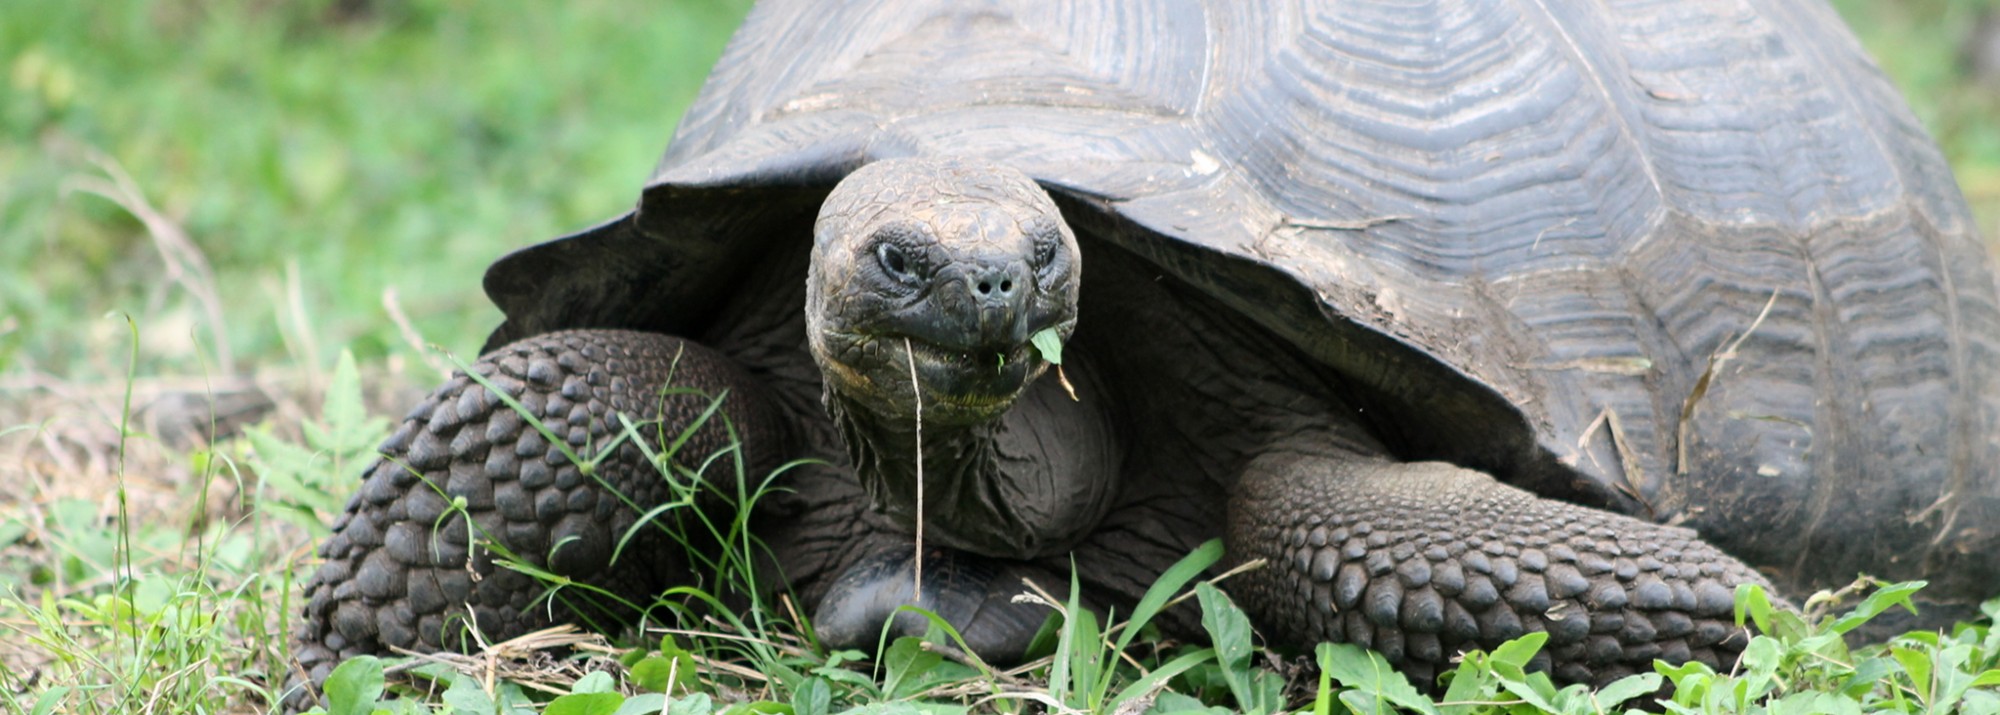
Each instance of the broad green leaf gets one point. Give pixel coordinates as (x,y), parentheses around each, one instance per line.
(1534,688)
(585,704)
(1752,601)
(512,700)
(1918,665)
(1675,673)
(1627,688)
(1927,638)
(813,698)
(1049,343)
(906,663)
(1826,644)
(1267,691)
(1229,629)
(1370,675)
(696,704)
(1761,655)
(354,686)
(667,674)
(940,631)
(643,704)
(1226,624)
(1789,627)
(1470,683)
(1981,702)
(466,696)
(1866,673)
(1323,695)
(759,707)
(1510,660)
(1813,703)
(594,682)
(1881,600)
(1949,666)
(1204,679)
(847,677)
(1574,699)
(1362,703)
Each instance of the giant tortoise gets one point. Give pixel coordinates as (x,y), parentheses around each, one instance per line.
(1472,318)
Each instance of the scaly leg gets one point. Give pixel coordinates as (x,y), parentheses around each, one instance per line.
(405,569)
(1422,560)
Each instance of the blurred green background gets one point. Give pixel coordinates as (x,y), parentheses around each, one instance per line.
(303,159)
(317,153)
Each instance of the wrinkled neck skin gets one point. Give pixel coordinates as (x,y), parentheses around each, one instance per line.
(1030,483)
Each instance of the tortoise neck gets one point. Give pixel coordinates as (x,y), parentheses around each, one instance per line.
(884,450)
(1031,482)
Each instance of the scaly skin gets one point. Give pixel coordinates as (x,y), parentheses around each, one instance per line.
(1422,560)
(399,571)
(917,296)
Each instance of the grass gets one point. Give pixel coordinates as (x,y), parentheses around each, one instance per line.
(318,155)
(253,218)
(207,636)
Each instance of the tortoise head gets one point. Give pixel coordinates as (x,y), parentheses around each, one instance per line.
(945,268)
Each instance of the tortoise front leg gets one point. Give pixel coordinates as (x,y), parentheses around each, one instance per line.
(410,565)
(975,594)
(1420,561)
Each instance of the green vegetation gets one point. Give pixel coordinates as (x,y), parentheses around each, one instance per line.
(314,155)
(1921,43)
(288,201)
(199,627)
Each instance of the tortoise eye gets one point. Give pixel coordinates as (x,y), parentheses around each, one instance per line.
(894,262)
(1048,258)
(1045,252)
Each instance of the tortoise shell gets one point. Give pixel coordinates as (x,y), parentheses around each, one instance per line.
(1691,260)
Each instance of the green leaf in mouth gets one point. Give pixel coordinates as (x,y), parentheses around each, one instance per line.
(1049,343)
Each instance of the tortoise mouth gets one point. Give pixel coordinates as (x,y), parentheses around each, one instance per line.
(897,370)
(955,374)
(986,376)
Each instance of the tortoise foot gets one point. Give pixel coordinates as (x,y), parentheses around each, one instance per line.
(1421,561)
(974,594)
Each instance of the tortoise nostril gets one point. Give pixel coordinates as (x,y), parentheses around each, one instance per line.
(994,285)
